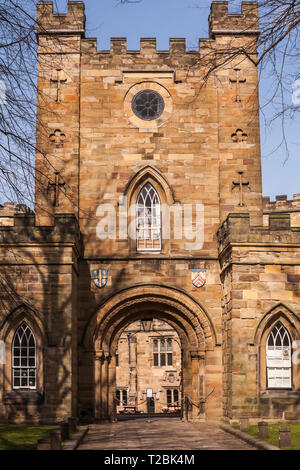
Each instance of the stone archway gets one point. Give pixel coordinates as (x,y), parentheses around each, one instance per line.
(184,314)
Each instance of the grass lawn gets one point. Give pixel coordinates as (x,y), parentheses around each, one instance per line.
(14,437)
(274,432)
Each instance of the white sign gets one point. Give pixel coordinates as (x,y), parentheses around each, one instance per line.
(149,392)
(279,367)
(2,352)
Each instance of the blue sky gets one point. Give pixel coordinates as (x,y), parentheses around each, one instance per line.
(188,18)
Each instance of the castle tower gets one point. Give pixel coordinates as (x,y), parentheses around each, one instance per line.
(58,111)
(149,210)
(101,148)
(238,108)
(216,121)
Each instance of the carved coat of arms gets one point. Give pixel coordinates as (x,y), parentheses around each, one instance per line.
(198,277)
(100,277)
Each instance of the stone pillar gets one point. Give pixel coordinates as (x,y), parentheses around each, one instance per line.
(198,400)
(285,437)
(98,359)
(185,408)
(186,381)
(195,392)
(104,403)
(132,357)
(64,430)
(263,430)
(111,384)
(43,444)
(244,423)
(72,422)
(55,440)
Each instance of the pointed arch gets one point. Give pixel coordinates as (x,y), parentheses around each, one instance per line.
(279,357)
(23,312)
(24,358)
(22,315)
(274,336)
(152,175)
(148,219)
(276,313)
(148,175)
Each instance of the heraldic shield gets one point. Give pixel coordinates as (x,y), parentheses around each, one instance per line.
(198,277)
(100,277)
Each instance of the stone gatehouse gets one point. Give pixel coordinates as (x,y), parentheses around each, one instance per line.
(149,205)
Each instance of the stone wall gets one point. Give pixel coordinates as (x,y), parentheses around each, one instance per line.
(260,272)
(38,282)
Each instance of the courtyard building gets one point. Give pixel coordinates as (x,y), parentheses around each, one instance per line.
(148,361)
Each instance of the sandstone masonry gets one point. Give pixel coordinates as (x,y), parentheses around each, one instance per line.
(96,153)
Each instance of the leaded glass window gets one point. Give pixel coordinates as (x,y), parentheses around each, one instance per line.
(173,397)
(148,219)
(279,364)
(24,358)
(148,105)
(170,353)
(121,397)
(160,356)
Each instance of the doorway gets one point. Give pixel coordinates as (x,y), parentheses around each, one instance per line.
(148,367)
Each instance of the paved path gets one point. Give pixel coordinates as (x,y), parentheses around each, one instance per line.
(160,434)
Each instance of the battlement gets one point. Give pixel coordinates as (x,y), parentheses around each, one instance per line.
(49,22)
(74,21)
(282,204)
(177,47)
(8,211)
(237,229)
(223,22)
(22,228)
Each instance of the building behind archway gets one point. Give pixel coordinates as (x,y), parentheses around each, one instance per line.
(149,361)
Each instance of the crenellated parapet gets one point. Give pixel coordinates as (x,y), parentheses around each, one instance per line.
(9,210)
(23,229)
(281,204)
(148,46)
(74,21)
(49,22)
(223,22)
(236,229)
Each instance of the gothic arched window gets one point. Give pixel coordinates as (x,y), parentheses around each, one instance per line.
(279,363)
(148,219)
(24,358)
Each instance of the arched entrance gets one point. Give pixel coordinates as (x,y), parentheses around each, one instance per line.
(148,371)
(173,306)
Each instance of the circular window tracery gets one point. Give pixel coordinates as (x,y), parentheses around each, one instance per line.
(148,105)
(162,111)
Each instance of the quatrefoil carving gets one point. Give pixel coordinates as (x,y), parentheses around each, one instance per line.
(57,138)
(239,136)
